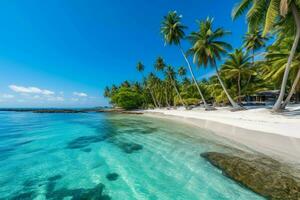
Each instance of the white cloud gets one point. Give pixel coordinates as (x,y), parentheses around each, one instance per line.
(30,90)
(54,98)
(7,96)
(80,94)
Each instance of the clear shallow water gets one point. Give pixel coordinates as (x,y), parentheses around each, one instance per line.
(69,156)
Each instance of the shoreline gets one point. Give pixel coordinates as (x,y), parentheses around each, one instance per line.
(283,146)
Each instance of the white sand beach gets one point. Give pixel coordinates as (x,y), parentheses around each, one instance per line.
(257,128)
(259,119)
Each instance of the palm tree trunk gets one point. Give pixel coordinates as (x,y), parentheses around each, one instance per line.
(153,98)
(151,93)
(177,92)
(207,107)
(277,105)
(158,98)
(167,101)
(239,88)
(232,102)
(292,91)
(159,101)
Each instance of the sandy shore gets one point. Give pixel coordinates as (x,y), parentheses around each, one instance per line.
(276,135)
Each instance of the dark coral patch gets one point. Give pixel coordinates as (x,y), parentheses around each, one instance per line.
(112,176)
(96,193)
(84,141)
(130,147)
(24,196)
(55,178)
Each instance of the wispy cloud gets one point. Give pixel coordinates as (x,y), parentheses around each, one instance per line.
(80,94)
(30,90)
(7,96)
(54,98)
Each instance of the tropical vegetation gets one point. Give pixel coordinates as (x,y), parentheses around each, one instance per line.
(268,60)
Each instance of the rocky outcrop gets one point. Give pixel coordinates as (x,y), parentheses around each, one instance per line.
(262,175)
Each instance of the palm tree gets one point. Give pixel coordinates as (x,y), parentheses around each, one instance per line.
(267,13)
(172,75)
(160,66)
(126,84)
(207,49)
(254,41)
(155,83)
(236,67)
(173,32)
(181,71)
(276,58)
(107,92)
(140,68)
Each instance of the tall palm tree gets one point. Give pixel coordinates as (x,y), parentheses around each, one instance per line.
(160,66)
(140,68)
(267,14)
(172,75)
(173,32)
(277,56)
(207,49)
(156,84)
(236,67)
(253,41)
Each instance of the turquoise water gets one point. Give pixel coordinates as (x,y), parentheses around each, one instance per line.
(108,156)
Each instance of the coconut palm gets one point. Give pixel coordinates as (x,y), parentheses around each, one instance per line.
(181,71)
(236,67)
(126,84)
(107,92)
(254,41)
(267,14)
(160,66)
(276,58)
(207,49)
(172,75)
(155,84)
(140,68)
(173,32)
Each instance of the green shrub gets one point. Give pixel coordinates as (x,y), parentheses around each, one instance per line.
(127,98)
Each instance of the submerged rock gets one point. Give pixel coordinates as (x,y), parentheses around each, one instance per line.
(130,147)
(112,176)
(263,175)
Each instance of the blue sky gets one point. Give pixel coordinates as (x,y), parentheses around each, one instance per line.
(62,53)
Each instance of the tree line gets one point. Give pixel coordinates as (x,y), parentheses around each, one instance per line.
(252,68)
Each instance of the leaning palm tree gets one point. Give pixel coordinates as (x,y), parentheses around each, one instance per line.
(277,56)
(156,84)
(173,32)
(140,68)
(172,76)
(267,14)
(207,49)
(236,67)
